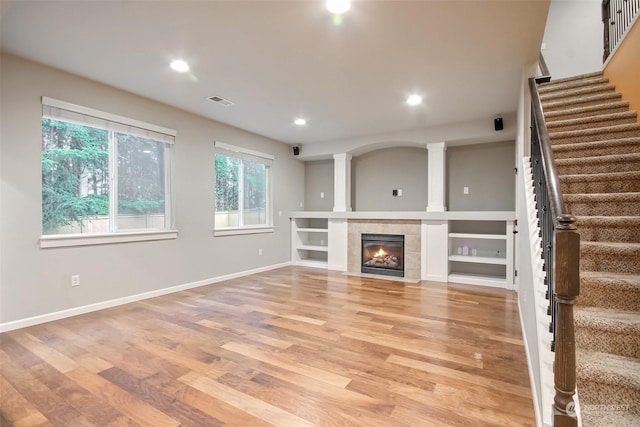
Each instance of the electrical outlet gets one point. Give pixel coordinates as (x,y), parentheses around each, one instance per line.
(75,280)
(322,194)
(465,190)
(259,251)
(400,192)
(279,213)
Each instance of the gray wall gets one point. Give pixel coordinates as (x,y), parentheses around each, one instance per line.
(318,178)
(375,174)
(487,169)
(573,37)
(36,281)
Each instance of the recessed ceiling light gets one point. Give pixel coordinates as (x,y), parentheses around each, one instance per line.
(338,7)
(179,65)
(300,121)
(414,100)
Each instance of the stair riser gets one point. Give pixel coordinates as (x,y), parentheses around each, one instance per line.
(592,137)
(602,150)
(606,341)
(598,167)
(606,296)
(630,208)
(610,262)
(591,125)
(581,102)
(592,187)
(594,393)
(618,234)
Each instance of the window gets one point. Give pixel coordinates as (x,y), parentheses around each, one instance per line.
(242,190)
(103,174)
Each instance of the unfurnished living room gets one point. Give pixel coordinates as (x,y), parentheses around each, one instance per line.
(319,213)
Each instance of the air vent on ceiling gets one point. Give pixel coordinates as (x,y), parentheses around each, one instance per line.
(220,101)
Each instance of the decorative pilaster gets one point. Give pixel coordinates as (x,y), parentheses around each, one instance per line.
(342,182)
(436,177)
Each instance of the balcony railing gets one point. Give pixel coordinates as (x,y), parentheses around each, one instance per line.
(617,17)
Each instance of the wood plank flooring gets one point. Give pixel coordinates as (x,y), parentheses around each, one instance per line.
(288,347)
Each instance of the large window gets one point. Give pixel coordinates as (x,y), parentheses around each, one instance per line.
(242,189)
(103,174)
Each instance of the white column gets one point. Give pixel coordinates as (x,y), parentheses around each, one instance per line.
(338,244)
(342,182)
(436,177)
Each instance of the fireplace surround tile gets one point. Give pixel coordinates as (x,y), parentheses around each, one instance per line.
(410,229)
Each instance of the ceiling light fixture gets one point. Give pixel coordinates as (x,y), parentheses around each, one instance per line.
(179,65)
(414,100)
(300,121)
(338,7)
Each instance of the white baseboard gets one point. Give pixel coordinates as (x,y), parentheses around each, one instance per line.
(49,317)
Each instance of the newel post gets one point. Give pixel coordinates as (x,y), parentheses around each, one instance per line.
(567,288)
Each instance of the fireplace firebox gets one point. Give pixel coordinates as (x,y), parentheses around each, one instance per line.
(383,254)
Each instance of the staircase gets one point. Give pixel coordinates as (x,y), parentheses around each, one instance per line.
(596,146)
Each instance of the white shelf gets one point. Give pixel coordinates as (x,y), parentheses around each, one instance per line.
(316,248)
(478,279)
(478,259)
(313,230)
(478,236)
(312,263)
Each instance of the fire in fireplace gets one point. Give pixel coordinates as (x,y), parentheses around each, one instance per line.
(383,254)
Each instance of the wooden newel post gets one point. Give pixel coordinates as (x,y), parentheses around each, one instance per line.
(567,288)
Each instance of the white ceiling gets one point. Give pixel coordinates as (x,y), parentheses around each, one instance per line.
(278,60)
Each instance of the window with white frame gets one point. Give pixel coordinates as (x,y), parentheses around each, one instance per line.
(242,189)
(103,173)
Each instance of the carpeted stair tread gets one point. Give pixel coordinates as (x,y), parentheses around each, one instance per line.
(594,121)
(610,256)
(556,85)
(603,204)
(609,369)
(587,110)
(572,92)
(597,148)
(608,416)
(627,130)
(579,77)
(609,228)
(601,329)
(599,98)
(626,162)
(608,182)
(609,290)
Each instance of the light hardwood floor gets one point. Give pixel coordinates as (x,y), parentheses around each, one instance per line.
(289,347)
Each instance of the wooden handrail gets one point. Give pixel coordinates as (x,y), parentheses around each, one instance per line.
(546,76)
(561,252)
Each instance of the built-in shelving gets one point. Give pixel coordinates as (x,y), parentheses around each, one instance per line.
(310,242)
(481,253)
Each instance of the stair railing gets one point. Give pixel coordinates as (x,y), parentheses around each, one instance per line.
(561,254)
(617,17)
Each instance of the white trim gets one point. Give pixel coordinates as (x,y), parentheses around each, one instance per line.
(235,149)
(50,102)
(64,240)
(62,314)
(243,230)
(534,393)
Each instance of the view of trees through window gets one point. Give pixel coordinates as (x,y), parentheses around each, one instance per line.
(77,193)
(241,192)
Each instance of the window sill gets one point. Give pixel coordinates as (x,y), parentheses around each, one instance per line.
(243,230)
(64,240)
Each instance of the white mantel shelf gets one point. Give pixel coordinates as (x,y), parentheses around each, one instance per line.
(411,215)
